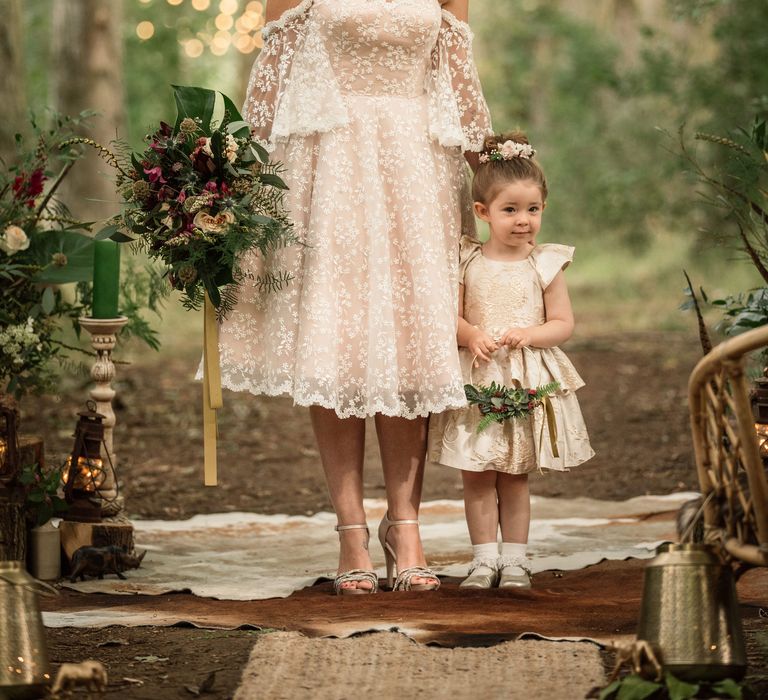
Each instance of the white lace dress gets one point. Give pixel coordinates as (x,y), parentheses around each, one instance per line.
(500,295)
(369,104)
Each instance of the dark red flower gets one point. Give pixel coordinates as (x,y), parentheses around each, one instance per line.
(532,392)
(530,405)
(36,180)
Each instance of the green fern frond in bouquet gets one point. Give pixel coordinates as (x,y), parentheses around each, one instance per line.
(498,403)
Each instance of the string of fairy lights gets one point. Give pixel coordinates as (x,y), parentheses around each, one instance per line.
(236,25)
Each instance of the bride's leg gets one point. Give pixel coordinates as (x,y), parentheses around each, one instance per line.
(403,446)
(341,442)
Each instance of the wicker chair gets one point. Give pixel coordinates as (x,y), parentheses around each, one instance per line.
(731,472)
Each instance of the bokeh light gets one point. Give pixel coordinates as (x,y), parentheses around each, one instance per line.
(224,22)
(201,5)
(228,7)
(175,2)
(255,6)
(145,30)
(194,48)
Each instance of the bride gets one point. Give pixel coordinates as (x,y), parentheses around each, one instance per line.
(372,106)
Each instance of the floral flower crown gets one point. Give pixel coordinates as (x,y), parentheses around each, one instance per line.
(507,151)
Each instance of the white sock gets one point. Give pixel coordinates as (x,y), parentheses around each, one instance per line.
(512,551)
(486,553)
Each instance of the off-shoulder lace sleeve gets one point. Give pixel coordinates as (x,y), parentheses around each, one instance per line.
(549,258)
(469,250)
(292,89)
(458,113)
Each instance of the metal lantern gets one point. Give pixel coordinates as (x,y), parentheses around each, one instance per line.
(85,471)
(9,441)
(759,401)
(24,670)
(690,614)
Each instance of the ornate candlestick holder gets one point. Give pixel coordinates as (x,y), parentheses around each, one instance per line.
(109,526)
(103,338)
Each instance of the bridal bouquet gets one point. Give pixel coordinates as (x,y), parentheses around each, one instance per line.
(498,403)
(198,197)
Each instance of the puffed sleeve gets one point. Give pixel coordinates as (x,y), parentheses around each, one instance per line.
(458,113)
(549,259)
(292,89)
(469,250)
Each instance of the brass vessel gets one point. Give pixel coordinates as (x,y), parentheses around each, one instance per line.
(690,613)
(24,670)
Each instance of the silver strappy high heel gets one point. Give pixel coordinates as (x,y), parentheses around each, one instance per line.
(356,575)
(403,580)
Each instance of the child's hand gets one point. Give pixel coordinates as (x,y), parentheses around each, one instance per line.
(482,345)
(517,338)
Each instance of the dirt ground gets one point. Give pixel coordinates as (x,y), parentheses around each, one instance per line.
(634,405)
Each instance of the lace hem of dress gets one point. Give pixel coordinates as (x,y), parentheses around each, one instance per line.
(453,398)
(281,21)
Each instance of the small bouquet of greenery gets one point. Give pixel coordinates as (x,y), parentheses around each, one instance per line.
(200,196)
(498,403)
(42,499)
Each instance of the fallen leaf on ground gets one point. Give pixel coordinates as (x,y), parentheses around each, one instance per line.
(151,659)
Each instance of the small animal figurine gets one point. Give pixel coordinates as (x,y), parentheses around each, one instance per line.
(89,674)
(640,656)
(97,561)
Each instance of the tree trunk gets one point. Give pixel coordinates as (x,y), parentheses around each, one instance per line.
(88,75)
(13,104)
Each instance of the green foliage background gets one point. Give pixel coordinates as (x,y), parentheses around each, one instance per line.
(602,101)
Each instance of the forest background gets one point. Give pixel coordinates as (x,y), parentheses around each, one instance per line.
(600,86)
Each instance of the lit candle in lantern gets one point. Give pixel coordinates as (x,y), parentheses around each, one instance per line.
(106,278)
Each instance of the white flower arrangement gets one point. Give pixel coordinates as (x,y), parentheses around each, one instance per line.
(507,151)
(16,341)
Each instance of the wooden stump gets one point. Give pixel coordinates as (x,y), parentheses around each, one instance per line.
(13,527)
(75,535)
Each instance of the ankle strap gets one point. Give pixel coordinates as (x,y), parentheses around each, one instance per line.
(402,522)
(339,528)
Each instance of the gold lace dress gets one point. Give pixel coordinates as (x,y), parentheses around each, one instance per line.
(499,295)
(369,104)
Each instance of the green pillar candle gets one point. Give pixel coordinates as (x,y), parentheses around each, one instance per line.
(106,278)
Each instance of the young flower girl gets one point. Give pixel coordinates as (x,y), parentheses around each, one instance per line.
(514,311)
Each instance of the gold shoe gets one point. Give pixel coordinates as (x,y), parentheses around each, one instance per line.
(403,580)
(356,575)
(483,573)
(514,573)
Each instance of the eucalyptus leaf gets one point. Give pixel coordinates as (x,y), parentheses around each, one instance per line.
(48,301)
(274,180)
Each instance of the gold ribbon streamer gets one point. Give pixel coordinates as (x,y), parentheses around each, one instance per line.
(212,398)
(549,411)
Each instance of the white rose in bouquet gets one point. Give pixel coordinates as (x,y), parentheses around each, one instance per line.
(14,239)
